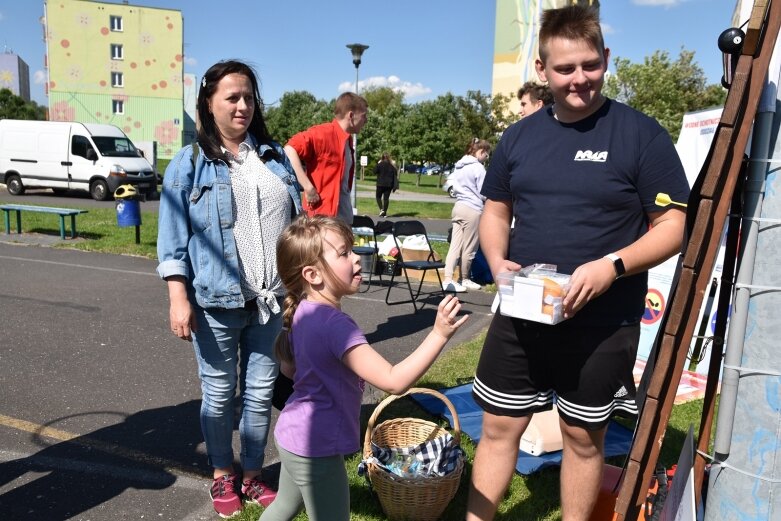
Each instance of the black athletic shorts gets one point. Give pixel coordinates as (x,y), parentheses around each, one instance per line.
(526,366)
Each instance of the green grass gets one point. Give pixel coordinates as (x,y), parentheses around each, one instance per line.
(97,230)
(424,184)
(407,209)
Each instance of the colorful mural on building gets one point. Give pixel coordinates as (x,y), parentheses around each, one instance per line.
(515,43)
(117,64)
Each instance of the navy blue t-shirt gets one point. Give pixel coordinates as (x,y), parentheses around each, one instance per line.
(582,190)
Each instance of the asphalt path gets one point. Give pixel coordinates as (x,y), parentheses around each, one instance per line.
(99,415)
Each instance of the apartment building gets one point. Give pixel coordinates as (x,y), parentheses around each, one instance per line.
(119,64)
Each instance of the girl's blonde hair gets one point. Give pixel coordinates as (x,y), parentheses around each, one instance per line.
(299,246)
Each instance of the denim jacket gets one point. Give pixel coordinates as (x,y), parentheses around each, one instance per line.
(195,230)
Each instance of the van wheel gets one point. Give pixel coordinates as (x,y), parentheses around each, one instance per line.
(451,192)
(99,190)
(14,185)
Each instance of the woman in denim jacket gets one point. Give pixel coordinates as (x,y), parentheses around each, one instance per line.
(224,204)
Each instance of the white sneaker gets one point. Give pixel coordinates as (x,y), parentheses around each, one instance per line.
(468,284)
(453,287)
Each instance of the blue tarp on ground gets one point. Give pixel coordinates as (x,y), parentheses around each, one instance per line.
(617,441)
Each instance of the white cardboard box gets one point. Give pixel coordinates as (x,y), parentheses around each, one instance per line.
(537,297)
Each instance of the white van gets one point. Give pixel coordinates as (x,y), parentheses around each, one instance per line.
(71,156)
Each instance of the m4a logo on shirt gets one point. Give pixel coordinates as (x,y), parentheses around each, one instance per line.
(588,155)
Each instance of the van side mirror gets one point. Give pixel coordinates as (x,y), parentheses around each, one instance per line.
(91,155)
(140,153)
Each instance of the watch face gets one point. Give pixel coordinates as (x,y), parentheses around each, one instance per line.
(618,264)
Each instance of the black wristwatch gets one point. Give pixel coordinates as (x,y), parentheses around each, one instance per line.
(618,264)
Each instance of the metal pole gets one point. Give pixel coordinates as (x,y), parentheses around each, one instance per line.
(754,194)
(355,156)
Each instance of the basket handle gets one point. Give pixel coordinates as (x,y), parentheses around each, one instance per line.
(414,390)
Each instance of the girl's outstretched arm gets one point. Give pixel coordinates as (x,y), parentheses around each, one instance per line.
(395,379)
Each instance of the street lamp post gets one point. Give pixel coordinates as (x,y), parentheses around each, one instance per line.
(357,51)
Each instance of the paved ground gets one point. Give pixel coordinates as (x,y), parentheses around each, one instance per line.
(99,416)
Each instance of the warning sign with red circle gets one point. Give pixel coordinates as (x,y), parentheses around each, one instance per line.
(654,307)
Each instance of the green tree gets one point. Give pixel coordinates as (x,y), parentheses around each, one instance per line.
(297,111)
(15,107)
(484,117)
(386,109)
(382,99)
(663,89)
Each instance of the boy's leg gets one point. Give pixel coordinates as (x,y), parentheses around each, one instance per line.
(494,464)
(581,470)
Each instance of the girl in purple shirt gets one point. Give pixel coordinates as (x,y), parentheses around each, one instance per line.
(325,353)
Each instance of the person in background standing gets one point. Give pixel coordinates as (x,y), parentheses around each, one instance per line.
(533,97)
(467,177)
(387,181)
(327,152)
(225,203)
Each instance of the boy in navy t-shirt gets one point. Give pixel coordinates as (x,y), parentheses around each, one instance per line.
(580,179)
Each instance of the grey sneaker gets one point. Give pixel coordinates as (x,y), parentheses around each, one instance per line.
(468,284)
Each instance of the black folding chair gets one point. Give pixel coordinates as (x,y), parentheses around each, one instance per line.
(405,229)
(360,224)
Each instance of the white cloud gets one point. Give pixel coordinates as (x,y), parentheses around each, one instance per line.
(1,16)
(190,61)
(655,3)
(409,89)
(607,28)
(39,77)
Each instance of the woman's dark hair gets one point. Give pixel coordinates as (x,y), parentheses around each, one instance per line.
(208,135)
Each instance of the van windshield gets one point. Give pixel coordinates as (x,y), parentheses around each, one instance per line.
(115,146)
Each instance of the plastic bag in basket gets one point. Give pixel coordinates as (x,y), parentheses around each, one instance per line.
(437,457)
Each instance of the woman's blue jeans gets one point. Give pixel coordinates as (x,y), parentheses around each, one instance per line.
(231,344)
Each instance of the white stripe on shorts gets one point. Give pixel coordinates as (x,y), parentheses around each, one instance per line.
(511,401)
(595,414)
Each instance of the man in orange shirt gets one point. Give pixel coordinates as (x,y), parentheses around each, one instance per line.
(326,151)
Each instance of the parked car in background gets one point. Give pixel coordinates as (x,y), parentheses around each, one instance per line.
(432,169)
(448,185)
(412,168)
(66,156)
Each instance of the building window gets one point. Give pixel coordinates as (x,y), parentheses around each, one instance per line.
(116,23)
(116,79)
(116,52)
(117,106)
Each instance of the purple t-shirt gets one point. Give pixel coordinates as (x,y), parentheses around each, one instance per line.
(321,417)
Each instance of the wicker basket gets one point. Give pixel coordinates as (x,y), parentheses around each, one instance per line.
(411,499)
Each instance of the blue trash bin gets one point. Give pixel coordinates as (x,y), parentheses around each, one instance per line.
(128,212)
(128,206)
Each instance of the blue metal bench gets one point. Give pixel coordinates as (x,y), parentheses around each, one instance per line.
(19,208)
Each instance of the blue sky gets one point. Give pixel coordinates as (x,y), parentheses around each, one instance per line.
(423,47)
